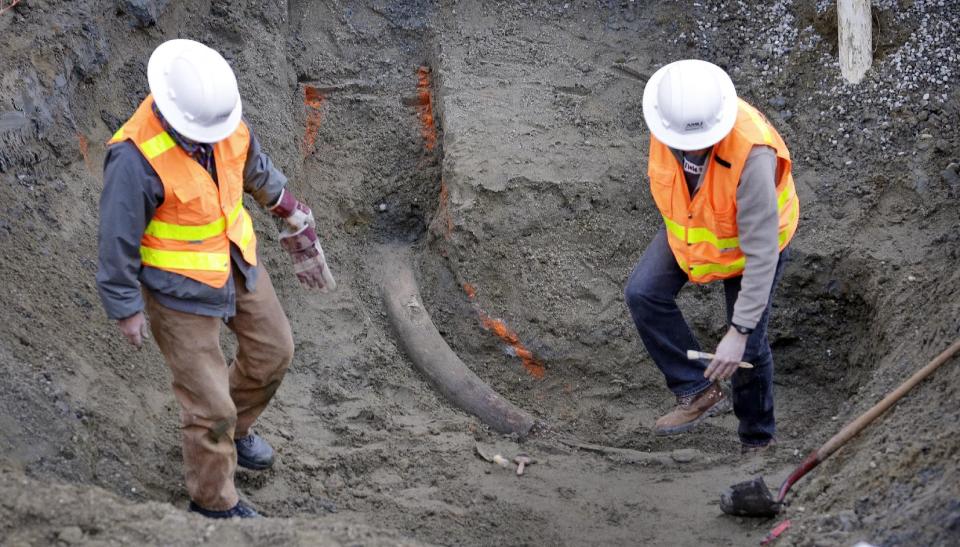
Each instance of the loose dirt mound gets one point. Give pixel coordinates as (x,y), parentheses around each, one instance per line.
(504,144)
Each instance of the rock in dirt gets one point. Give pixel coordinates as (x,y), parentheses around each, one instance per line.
(70,535)
(144,12)
(951,176)
(685,455)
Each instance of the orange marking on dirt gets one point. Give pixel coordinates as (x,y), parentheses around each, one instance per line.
(425,108)
(533,366)
(85,151)
(530,362)
(442,223)
(313,100)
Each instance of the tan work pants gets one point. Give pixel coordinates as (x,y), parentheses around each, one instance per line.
(218,401)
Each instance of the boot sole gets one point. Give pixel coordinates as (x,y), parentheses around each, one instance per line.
(720,407)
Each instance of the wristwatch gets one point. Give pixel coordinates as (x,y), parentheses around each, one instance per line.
(742,330)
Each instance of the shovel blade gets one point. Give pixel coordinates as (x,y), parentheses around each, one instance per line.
(749,499)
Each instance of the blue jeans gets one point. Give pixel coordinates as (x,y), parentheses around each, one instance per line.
(651,297)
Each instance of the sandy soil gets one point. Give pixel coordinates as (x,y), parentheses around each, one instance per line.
(521,195)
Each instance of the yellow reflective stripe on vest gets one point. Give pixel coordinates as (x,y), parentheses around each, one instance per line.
(675,228)
(783,197)
(157,145)
(185,260)
(761,125)
(704,235)
(118,135)
(247,233)
(181,232)
(700,235)
(791,217)
(700,270)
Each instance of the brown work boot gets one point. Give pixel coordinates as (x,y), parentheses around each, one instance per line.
(692,409)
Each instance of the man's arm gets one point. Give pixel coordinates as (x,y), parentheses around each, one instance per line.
(131,194)
(261,178)
(268,186)
(758,223)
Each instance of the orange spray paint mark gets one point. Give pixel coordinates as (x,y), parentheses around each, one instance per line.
(442,223)
(85,152)
(425,108)
(533,366)
(498,327)
(313,100)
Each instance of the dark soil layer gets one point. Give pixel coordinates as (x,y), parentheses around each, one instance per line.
(522,195)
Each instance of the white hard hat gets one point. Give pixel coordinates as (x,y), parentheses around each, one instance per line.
(195,90)
(690,104)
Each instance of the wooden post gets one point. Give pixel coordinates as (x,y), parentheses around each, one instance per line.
(856,46)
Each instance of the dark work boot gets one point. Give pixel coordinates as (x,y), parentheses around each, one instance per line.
(253,452)
(240,510)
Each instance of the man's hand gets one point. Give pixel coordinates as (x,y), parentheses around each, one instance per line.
(728,355)
(309,263)
(134,328)
(294,213)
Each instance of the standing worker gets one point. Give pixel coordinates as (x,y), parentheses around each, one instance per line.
(720,176)
(176,240)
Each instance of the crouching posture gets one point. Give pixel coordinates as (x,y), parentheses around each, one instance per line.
(720,176)
(176,242)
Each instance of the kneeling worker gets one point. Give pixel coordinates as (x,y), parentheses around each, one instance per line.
(176,241)
(720,176)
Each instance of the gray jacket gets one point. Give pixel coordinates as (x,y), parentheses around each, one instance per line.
(132,191)
(758,226)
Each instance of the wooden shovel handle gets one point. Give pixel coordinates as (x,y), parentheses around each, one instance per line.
(693,355)
(867,417)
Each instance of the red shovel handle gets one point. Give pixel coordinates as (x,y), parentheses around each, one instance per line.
(812,460)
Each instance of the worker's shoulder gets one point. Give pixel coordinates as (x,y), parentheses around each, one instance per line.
(761,150)
(125,154)
(124,151)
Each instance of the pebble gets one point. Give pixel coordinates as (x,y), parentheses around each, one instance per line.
(70,535)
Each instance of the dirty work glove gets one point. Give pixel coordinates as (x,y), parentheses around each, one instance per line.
(308,261)
(294,213)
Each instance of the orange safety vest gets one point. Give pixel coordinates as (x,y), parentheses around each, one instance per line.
(702,232)
(191,231)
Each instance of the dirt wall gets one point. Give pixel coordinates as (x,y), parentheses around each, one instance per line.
(525,208)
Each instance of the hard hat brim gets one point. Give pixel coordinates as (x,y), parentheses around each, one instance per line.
(157,67)
(690,141)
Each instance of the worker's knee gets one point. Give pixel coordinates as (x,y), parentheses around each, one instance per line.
(284,350)
(640,300)
(273,360)
(216,414)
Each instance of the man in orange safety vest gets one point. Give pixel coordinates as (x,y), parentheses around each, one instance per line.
(720,176)
(176,241)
